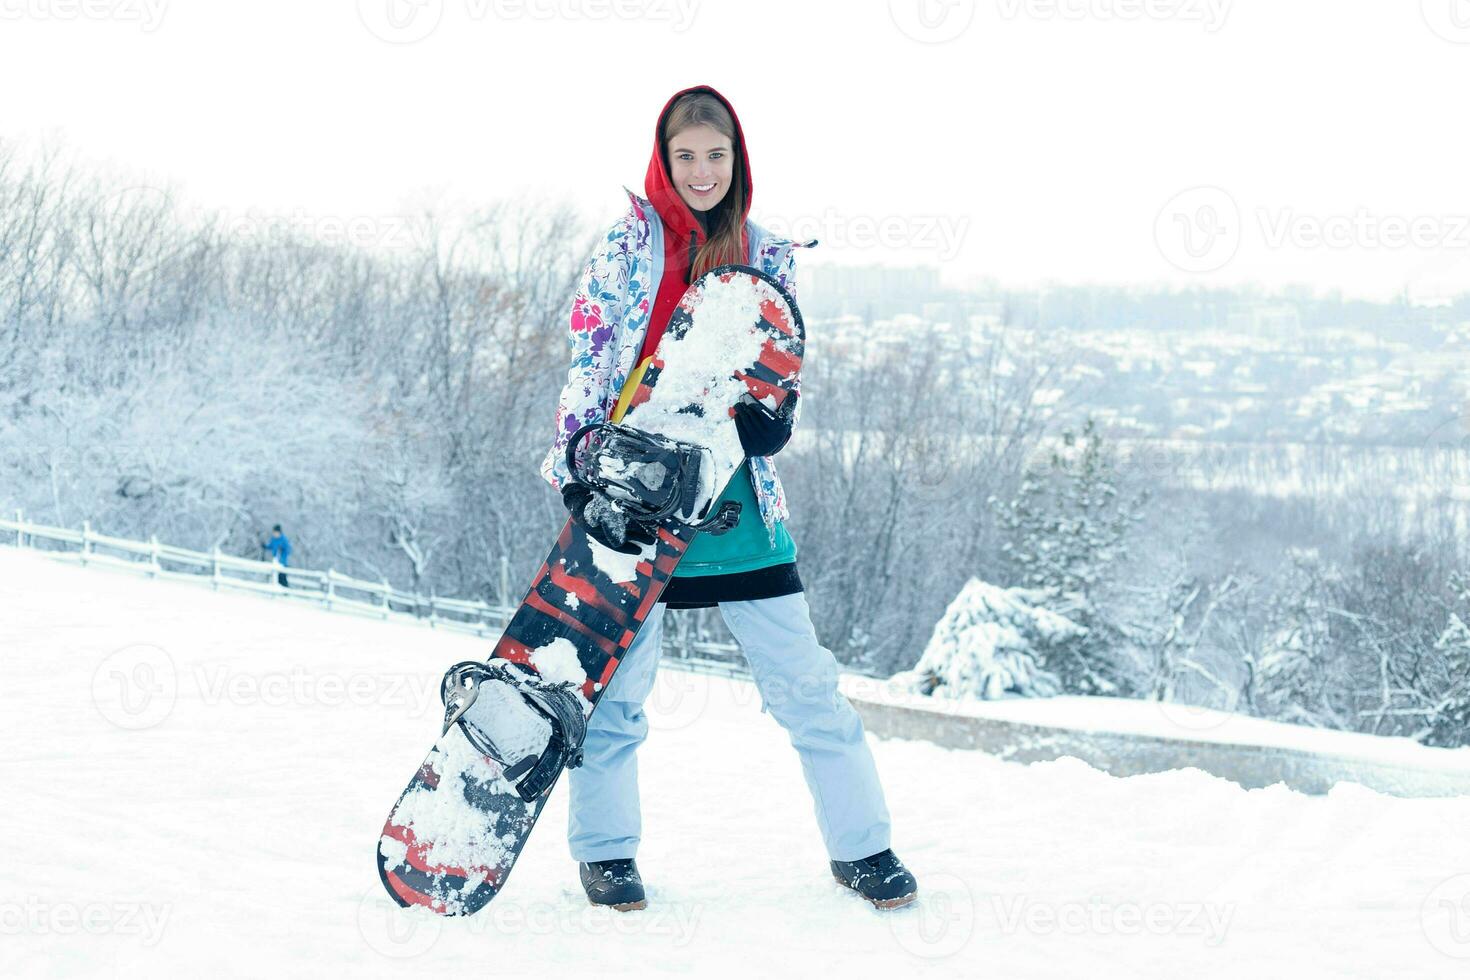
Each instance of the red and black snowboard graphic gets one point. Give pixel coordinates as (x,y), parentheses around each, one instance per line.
(456,831)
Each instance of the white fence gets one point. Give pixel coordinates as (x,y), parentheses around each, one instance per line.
(330,589)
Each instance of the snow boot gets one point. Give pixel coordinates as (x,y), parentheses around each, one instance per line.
(614,883)
(880,878)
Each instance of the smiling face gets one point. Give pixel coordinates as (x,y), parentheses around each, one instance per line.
(701,165)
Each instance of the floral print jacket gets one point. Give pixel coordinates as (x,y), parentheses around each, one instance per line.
(609,316)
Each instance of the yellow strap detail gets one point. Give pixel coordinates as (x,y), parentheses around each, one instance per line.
(634,380)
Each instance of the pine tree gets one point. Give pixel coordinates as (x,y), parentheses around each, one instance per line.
(1450,724)
(1065,529)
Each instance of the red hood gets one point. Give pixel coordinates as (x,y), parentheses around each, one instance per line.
(678,219)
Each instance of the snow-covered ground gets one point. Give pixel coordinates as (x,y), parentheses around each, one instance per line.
(194,785)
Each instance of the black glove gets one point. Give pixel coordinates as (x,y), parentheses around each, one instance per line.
(603,521)
(762,431)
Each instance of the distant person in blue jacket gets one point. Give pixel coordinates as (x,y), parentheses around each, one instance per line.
(279,547)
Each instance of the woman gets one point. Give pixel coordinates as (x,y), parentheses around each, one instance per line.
(693,219)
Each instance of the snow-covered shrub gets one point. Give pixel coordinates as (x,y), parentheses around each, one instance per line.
(991,643)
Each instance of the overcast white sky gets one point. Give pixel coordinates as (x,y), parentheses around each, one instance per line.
(1142,141)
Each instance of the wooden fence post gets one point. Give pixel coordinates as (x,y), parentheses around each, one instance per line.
(153,542)
(214,569)
(86,534)
(387,590)
(331,586)
(20,534)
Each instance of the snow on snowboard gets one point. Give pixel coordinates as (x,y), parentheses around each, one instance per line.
(514,722)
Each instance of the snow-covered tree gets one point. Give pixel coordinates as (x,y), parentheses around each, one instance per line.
(1292,673)
(170,372)
(990,644)
(1449,720)
(1065,530)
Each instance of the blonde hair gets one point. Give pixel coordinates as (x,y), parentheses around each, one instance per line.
(722,244)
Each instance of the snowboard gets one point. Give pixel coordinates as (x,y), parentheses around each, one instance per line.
(455,833)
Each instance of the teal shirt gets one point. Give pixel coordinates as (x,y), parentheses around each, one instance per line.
(745,547)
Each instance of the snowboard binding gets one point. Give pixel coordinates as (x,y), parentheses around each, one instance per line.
(651,477)
(553,706)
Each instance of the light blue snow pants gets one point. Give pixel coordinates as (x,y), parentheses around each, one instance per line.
(797,680)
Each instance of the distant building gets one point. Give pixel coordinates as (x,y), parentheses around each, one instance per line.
(1266,319)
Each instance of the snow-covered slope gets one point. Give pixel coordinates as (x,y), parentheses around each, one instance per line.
(194,784)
